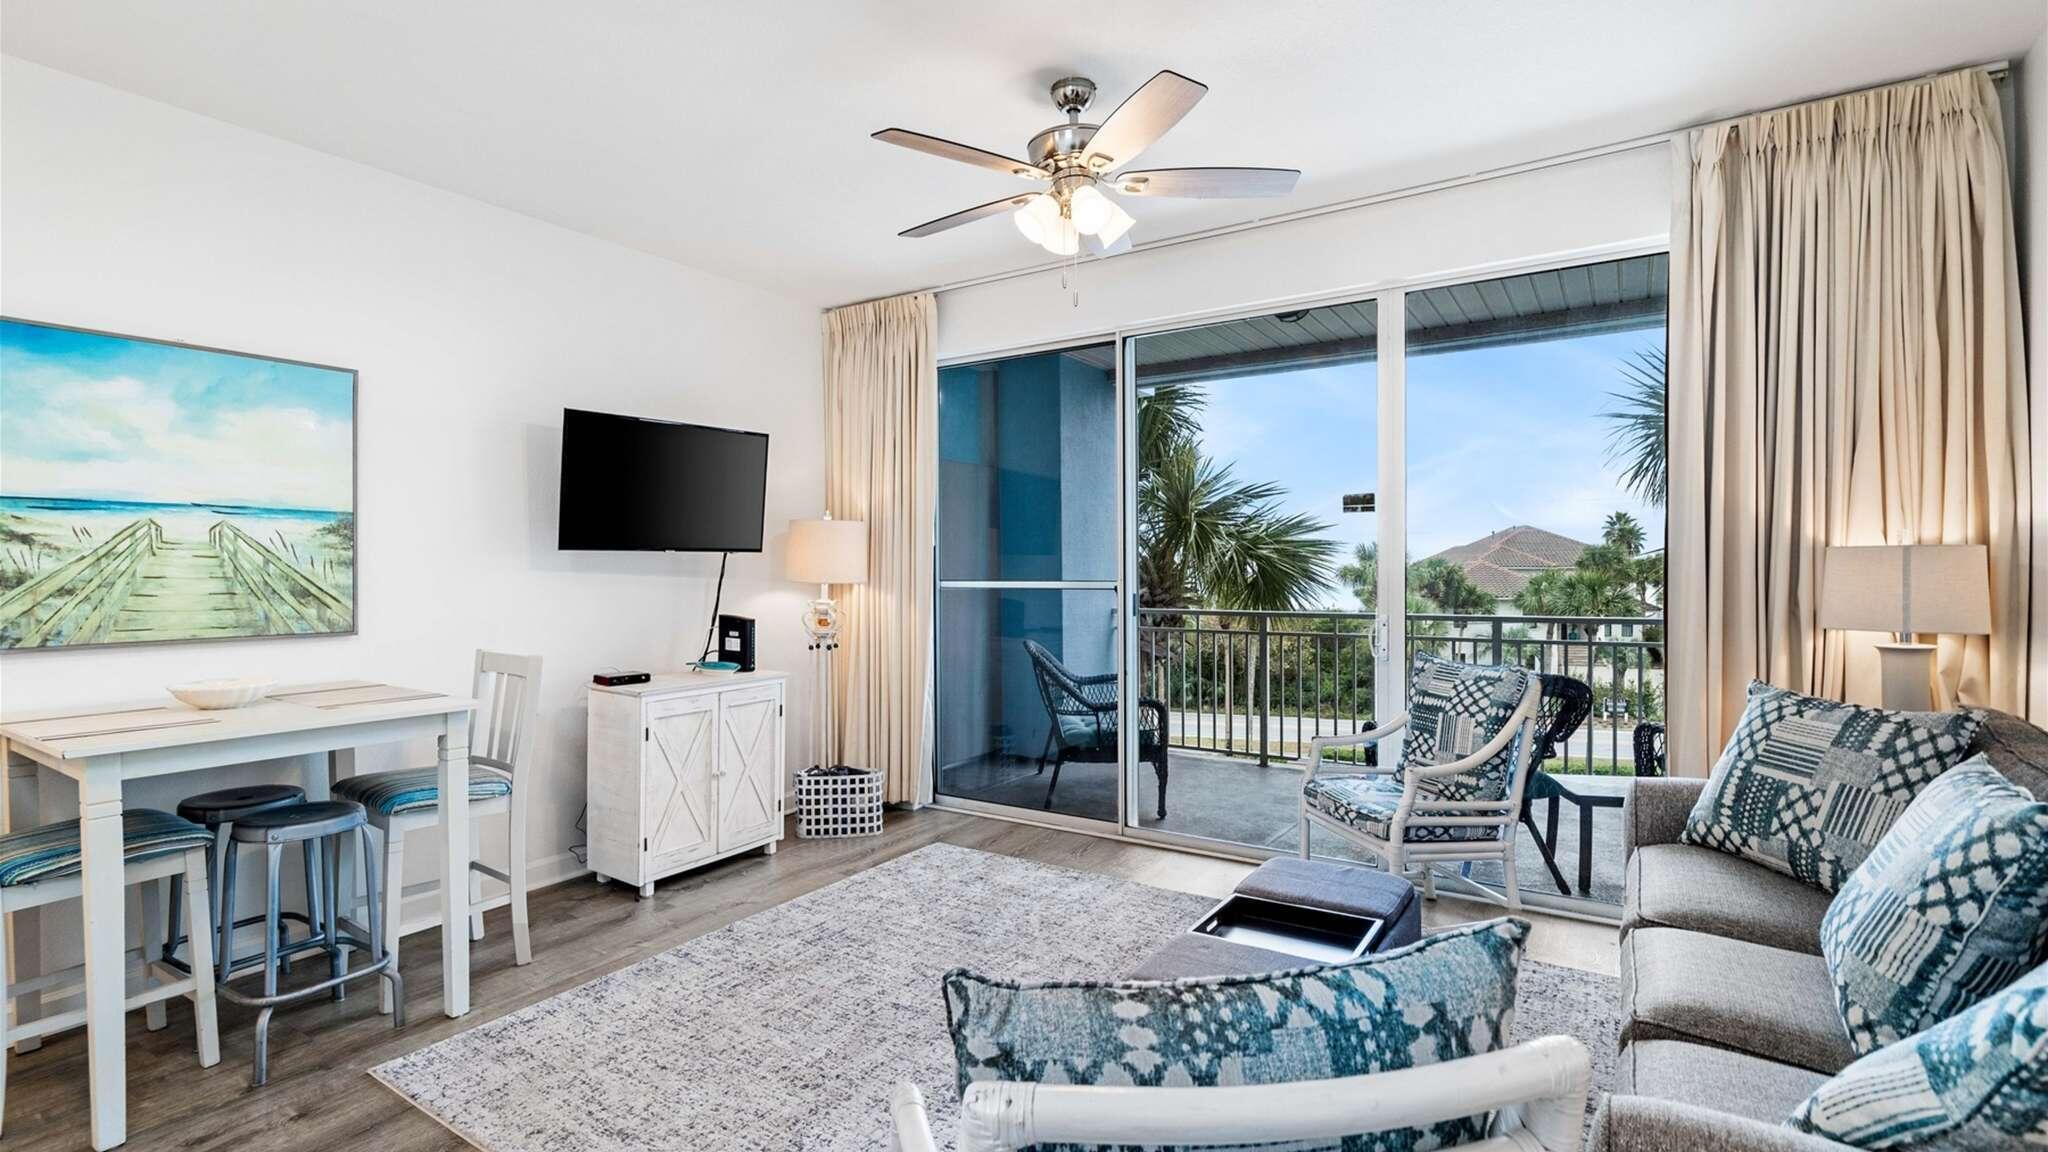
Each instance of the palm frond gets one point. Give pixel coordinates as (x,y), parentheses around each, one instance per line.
(1637,440)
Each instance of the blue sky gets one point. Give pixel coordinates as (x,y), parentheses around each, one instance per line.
(91,416)
(1497,436)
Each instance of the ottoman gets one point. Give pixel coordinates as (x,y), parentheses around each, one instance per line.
(1326,884)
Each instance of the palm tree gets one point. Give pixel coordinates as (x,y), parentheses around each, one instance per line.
(1622,531)
(1361,574)
(1207,539)
(1636,442)
(1544,595)
(1446,585)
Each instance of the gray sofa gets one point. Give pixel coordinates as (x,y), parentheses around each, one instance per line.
(1728,1014)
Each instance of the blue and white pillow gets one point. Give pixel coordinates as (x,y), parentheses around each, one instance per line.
(1807,786)
(1453,711)
(1975,1080)
(1445,997)
(1951,906)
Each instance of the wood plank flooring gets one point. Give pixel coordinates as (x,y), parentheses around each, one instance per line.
(320,1096)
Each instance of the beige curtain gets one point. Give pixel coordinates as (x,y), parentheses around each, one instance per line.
(1846,368)
(881,460)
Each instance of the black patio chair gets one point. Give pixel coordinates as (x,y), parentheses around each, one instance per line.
(1567,702)
(1083,714)
(1649,749)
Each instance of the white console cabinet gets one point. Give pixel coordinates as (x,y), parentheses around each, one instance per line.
(683,770)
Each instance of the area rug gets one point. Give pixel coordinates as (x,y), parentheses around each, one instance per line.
(785,1031)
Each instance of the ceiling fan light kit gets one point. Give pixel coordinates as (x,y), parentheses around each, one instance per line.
(1074,163)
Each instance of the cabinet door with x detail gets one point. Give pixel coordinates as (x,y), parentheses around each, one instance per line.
(681,751)
(749,770)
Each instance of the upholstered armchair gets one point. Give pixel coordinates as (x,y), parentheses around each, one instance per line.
(1456,793)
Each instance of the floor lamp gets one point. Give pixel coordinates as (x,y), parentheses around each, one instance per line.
(1907,590)
(826,552)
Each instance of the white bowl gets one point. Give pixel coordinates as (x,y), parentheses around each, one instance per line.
(212,694)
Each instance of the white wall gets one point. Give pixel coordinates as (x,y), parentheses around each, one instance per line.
(2032,208)
(472,328)
(1579,207)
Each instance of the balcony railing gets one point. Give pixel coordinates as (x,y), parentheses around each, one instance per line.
(1263,684)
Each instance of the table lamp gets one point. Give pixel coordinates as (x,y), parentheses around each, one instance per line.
(1907,590)
(826,552)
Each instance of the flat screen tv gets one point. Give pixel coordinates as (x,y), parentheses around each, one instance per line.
(631,484)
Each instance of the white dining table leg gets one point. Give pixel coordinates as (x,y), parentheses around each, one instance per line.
(453,762)
(21,809)
(106,946)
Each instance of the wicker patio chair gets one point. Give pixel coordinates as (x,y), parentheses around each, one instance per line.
(1649,749)
(1083,714)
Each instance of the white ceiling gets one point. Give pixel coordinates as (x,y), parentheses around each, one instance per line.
(734,137)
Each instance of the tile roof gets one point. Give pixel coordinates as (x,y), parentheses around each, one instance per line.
(1521,547)
(1501,564)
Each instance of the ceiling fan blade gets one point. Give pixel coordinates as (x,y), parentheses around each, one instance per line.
(1207,183)
(970,215)
(1142,118)
(966,154)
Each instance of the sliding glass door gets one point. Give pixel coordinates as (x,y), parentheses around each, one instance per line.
(1257,572)
(1535,500)
(1169,563)
(1029,547)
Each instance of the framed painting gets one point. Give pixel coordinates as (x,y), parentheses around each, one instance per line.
(154,492)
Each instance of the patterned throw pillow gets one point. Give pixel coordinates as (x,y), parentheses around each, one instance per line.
(1806,786)
(1951,906)
(1448,996)
(1453,710)
(1976,1080)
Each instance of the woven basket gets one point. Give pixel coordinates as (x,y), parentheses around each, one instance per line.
(842,804)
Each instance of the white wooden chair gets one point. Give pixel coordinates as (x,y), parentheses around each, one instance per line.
(151,835)
(500,775)
(1536,1091)
(1410,830)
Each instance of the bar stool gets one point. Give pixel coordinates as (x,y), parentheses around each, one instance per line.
(217,812)
(40,866)
(310,826)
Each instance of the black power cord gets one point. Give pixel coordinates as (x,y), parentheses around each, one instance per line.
(711,629)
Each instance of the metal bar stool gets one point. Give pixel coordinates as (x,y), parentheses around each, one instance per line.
(310,826)
(217,813)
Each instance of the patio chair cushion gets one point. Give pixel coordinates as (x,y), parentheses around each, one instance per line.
(54,850)
(1368,803)
(1446,997)
(390,793)
(1682,886)
(1453,711)
(1951,906)
(1808,786)
(1975,1080)
(1087,731)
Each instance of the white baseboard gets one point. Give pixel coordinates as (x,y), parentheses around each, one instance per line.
(422,906)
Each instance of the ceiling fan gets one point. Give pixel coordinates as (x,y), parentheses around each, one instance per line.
(1075,163)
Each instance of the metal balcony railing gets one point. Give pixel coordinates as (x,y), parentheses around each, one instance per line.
(1263,684)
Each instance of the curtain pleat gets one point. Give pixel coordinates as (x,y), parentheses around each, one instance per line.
(881,456)
(1846,368)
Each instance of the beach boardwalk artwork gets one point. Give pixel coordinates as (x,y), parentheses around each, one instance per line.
(152,491)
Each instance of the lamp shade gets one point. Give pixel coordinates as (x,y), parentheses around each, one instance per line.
(1907,588)
(828,551)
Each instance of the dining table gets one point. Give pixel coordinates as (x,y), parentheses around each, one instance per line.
(101,749)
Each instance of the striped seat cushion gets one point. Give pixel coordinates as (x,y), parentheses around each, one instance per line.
(53,850)
(390,793)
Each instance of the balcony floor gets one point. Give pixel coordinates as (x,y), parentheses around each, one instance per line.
(1230,798)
